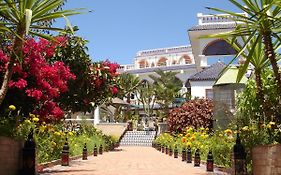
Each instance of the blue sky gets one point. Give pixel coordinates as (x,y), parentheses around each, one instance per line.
(117,29)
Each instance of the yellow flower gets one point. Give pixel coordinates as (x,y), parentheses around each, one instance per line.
(228,131)
(188,144)
(70,133)
(192,138)
(53,143)
(272,123)
(27,121)
(57,133)
(31,115)
(35,119)
(183,140)
(220,135)
(12,108)
(245,128)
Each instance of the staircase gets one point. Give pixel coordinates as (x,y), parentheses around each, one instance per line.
(138,138)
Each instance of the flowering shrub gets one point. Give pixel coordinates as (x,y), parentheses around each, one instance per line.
(104,80)
(95,82)
(36,81)
(200,139)
(196,113)
(50,138)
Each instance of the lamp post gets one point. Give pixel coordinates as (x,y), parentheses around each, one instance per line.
(28,152)
(197,158)
(101,149)
(95,150)
(170,151)
(85,152)
(239,157)
(189,155)
(210,162)
(65,154)
(183,154)
(176,154)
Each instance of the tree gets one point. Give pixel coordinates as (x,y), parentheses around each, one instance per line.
(128,84)
(74,54)
(146,96)
(263,23)
(23,17)
(258,60)
(166,88)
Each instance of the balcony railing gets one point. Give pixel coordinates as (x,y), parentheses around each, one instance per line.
(219,18)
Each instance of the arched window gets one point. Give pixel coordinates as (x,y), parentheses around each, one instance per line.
(162,62)
(219,47)
(143,64)
(152,65)
(185,59)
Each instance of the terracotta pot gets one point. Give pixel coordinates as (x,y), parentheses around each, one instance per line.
(11,158)
(266,159)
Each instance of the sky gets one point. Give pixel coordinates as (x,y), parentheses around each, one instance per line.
(118,29)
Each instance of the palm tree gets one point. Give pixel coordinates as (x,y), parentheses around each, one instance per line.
(262,22)
(258,60)
(128,84)
(23,17)
(166,88)
(146,96)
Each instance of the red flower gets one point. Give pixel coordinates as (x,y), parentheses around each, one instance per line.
(114,90)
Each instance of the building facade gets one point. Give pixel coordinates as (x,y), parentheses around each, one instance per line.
(198,65)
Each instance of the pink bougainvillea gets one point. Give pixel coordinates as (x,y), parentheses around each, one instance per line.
(40,78)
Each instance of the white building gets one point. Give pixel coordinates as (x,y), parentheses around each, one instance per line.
(198,64)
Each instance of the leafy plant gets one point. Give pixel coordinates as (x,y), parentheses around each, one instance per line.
(194,113)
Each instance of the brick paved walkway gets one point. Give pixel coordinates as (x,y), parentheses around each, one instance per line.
(129,161)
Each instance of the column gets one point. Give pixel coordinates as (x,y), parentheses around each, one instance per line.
(97,115)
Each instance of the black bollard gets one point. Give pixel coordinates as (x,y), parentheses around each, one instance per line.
(101,149)
(162,149)
(85,153)
(189,155)
(28,151)
(210,162)
(183,154)
(176,153)
(170,151)
(167,150)
(239,157)
(197,158)
(65,154)
(95,150)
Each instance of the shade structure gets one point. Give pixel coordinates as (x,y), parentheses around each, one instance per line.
(230,76)
(118,101)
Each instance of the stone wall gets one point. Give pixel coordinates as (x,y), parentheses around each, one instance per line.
(10,156)
(116,129)
(267,160)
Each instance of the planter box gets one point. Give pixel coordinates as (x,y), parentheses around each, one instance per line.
(10,159)
(267,160)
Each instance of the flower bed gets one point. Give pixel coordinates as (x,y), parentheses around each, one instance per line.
(220,143)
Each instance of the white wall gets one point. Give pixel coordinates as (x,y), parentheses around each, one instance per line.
(198,88)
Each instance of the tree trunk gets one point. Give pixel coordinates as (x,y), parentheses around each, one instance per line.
(270,54)
(16,52)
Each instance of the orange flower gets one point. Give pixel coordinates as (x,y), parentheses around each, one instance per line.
(183,140)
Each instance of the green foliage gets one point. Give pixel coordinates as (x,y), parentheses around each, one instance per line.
(194,113)
(166,88)
(255,127)
(74,54)
(51,138)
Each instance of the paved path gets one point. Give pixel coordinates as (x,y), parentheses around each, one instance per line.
(129,161)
